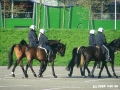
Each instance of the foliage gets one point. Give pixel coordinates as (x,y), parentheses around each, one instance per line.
(73,38)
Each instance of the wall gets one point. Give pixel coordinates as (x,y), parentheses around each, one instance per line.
(78,20)
(106,24)
(17,22)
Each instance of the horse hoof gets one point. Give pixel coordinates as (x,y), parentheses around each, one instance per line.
(26,76)
(116,76)
(99,76)
(92,76)
(35,75)
(109,76)
(55,76)
(13,75)
(84,76)
(40,75)
(69,75)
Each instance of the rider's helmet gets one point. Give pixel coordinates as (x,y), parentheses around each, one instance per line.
(32,27)
(100,29)
(92,31)
(42,31)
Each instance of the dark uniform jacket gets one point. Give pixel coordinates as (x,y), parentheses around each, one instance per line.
(32,36)
(100,39)
(43,40)
(92,41)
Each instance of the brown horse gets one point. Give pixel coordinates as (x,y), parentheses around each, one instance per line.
(19,50)
(41,55)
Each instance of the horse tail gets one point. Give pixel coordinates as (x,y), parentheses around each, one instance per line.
(72,61)
(10,56)
(82,61)
(80,57)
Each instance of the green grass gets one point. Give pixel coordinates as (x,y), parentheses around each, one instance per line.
(73,38)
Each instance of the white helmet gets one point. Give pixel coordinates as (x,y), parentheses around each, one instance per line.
(100,29)
(42,31)
(92,31)
(32,27)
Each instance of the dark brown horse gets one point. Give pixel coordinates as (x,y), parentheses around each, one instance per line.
(41,55)
(96,54)
(19,50)
(78,58)
(73,60)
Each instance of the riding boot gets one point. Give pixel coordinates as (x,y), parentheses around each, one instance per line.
(49,56)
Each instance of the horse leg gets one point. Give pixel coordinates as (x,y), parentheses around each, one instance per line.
(86,67)
(92,73)
(112,66)
(42,67)
(71,66)
(103,64)
(109,75)
(21,65)
(32,70)
(88,71)
(83,72)
(28,64)
(15,65)
(53,72)
(71,71)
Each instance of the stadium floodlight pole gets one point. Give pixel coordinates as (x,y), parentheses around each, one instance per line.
(33,18)
(44,19)
(69,17)
(12,6)
(91,15)
(1,15)
(4,13)
(36,11)
(115,14)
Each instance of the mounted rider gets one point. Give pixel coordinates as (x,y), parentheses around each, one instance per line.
(101,42)
(91,38)
(92,42)
(43,42)
(32,36)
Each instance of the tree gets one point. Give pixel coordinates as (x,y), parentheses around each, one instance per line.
(94,6)
(65,4)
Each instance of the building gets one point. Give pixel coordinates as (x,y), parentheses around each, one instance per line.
(59,14)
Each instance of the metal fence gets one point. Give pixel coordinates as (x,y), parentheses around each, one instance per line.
(9,14)
(105,16)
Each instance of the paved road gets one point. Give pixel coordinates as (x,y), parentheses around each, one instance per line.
(63,82)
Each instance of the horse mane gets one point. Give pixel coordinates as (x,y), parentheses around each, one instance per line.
(51,42)
(22,42)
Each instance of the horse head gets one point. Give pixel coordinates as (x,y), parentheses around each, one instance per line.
(57,47)
(115,45)
(61,49)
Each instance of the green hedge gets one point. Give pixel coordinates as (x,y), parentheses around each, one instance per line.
(73,38)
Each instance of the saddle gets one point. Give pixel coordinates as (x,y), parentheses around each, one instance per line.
(44,49)
(101,49)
